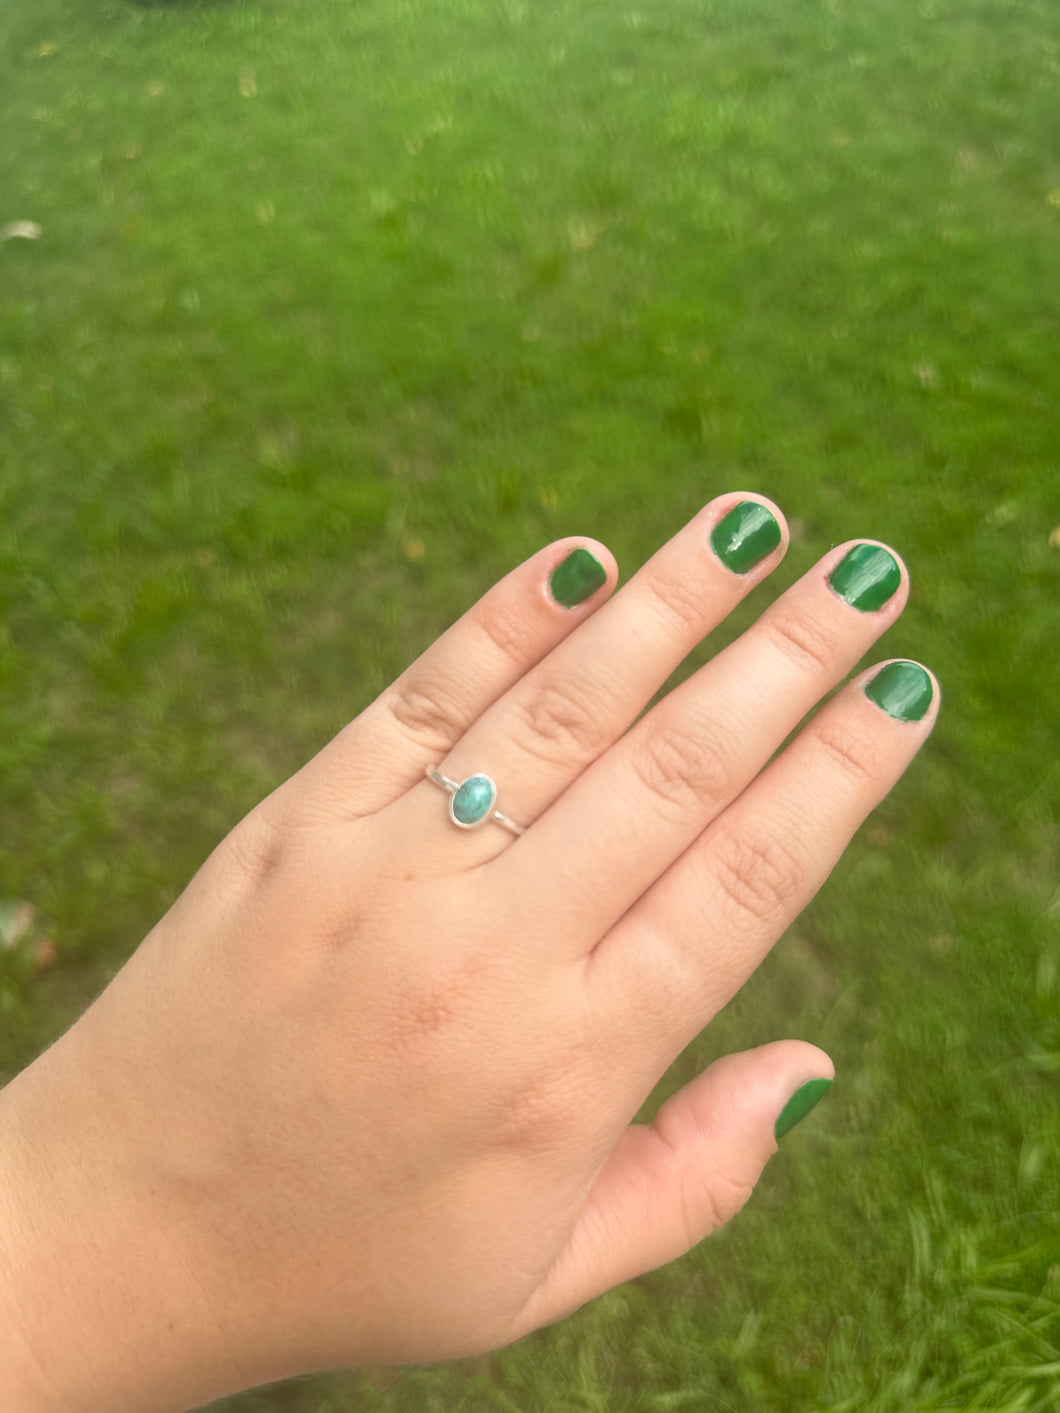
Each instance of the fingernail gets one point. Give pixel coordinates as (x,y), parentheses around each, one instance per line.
(903,689)
(576,577)
(742,538)
(866,577)
(799,1105)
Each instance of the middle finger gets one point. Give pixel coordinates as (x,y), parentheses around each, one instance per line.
(575,703)
(625,820)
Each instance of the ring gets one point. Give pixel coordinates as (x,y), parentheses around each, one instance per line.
(472,802)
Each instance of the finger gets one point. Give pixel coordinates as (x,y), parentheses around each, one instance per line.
(539,737)
(418,718)
(648,799)
(699,932)
(668,1184)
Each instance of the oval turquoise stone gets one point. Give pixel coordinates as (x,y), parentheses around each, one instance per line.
(473,802)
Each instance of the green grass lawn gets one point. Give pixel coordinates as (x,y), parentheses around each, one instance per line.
(341,308)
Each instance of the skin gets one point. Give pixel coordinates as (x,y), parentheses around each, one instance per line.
(365,1093)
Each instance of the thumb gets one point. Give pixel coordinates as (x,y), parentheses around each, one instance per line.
(668,1184)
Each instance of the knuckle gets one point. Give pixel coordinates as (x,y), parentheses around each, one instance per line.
(544,1109)
(761,875)
(807,642)
(679,600)
(537,1117)
(255,848)
(344,935)
(430,712)
(687,1213)
(561,721)
(852,749)
(671,1128)
(507,627)
(707,1196)
(724,1195)
(681,768)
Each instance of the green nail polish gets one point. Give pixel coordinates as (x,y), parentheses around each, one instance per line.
(799,1105)
(578,576)
(742,538)
(866,577)
(903,689)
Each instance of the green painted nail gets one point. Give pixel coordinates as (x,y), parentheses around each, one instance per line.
(578,576)
(903,689)
(742,538)
(866,577)
(799,1105)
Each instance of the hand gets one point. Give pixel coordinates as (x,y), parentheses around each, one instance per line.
(364,1094)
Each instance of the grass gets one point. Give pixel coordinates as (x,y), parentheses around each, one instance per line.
(342,308)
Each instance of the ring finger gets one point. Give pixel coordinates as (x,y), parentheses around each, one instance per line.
(574,704)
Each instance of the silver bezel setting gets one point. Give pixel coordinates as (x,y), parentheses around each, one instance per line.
(488,812)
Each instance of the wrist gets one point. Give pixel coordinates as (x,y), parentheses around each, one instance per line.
(98,1303)
(23,1383)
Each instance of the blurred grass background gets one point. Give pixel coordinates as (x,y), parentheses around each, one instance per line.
(337,310)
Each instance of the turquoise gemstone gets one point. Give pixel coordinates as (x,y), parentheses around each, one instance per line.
(473,802)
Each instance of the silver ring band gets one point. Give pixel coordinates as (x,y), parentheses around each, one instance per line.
(472,800)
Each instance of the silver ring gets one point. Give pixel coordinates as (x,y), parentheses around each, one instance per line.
(472,800)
